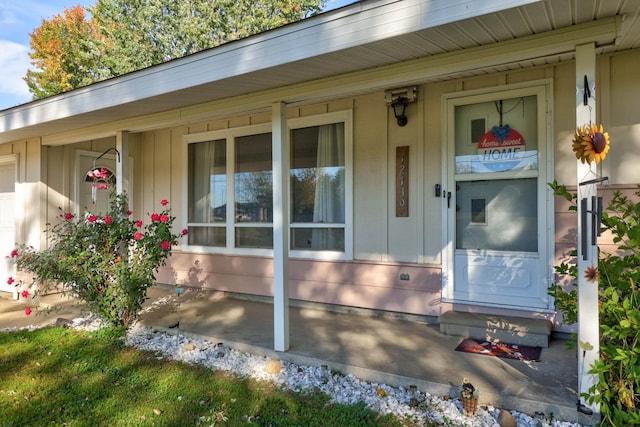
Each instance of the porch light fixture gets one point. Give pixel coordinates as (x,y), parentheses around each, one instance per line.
(398,99)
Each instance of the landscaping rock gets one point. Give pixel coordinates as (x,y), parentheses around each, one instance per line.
(189,347)
(505,419)
(274,366)
(61,321)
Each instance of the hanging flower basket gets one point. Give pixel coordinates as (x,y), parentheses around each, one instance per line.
(591,143)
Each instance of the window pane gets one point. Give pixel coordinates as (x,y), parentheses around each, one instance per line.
(208,236)
(497,215)
(318,174)
(479,211)
(253,180)
(510,142)
(318,239)
(254,237)
(208,182)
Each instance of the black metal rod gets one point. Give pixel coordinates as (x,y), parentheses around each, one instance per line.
(109,149)
(583,227)
(594,221)
(595,180)
(599,216)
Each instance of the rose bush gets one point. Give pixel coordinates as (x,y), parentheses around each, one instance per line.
(107,261)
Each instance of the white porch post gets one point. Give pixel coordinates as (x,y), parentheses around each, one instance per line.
(122,162)
(588,316)
(280,147)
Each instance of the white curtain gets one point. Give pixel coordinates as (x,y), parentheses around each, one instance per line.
(329,192)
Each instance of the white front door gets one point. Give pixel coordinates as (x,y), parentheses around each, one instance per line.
(498,212)
(7,222)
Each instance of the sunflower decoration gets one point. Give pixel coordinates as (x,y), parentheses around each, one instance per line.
(591,143)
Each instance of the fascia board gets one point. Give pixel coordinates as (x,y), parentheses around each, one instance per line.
(412,72)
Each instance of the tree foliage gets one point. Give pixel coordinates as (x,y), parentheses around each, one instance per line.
(70,51)
(66,52)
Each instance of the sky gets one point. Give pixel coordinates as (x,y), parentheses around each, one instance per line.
(18,18)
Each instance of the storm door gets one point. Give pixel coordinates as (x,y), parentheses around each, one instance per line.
(496,200)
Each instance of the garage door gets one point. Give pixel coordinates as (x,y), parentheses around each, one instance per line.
(7,222)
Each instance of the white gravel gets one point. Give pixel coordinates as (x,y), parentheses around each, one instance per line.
(345,389)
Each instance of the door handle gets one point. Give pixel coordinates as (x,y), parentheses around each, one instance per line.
(448,199)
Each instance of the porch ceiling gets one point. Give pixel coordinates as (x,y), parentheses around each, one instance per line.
(352,41)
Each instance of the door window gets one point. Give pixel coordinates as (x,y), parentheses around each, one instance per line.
(497,215)
(497,136)
(496,175)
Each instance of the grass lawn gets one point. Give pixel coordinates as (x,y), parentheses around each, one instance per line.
(67,377)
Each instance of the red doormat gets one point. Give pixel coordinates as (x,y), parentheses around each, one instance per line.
(500,349)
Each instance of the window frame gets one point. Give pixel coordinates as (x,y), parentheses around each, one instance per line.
(230,134)
(345,117)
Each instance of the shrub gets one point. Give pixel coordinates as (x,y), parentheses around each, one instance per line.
(618,369)
(107,261)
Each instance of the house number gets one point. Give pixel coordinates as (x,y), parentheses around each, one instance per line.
(402,181)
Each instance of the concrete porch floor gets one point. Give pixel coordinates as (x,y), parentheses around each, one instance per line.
(379,349)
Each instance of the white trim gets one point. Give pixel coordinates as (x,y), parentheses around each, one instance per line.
(588,295)
(280,169)
(346,117)
(230,225)
(543,90)
(330,86)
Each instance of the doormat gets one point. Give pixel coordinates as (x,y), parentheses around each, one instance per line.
(500,349)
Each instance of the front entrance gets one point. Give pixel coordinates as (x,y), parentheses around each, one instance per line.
(7,221)
(497,208)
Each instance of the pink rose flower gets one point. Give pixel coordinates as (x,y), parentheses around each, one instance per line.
(164,202)
(138,223)
(14,253)
(108,220)
(92,218)
(103,186)
(10,281)
(165,245)
(164,218)
(25,294)
(27,311)
(185,232)
(98,174)
(68,216)
(155,217)
(129,212)
(137,236)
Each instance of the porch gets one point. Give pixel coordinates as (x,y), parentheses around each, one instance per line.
(378,347)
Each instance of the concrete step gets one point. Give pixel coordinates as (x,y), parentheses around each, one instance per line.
(508,329)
